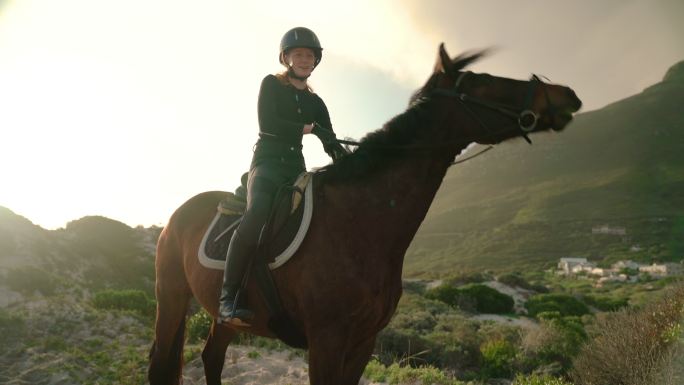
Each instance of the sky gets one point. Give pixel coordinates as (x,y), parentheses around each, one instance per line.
(128,108)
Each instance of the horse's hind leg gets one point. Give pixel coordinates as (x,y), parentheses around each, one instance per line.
(166,356)
(214,353)
(173,297)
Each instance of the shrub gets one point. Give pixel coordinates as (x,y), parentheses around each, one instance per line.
(605,303)
(199,325)
(514,280)
(395,344)
(448,294)
(12,327)
(497,358)
(567,335)
(458,342)
(489,300)
(29,279)
(564,304)
(133,300)
(397,374)
(419,320)
(632,346)
(475,297)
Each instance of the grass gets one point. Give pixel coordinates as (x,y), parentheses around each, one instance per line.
(134,300)
(397,374)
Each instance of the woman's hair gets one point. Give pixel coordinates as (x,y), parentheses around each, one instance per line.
(285,80)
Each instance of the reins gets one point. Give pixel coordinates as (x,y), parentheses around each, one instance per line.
(417,147)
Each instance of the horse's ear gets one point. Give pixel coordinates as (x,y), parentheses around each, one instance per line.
(443,63)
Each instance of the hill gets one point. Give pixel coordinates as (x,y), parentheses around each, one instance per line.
(522,206)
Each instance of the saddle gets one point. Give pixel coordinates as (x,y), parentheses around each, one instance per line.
(281,236)
(283,233)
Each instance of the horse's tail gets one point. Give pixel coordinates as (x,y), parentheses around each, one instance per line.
(173,296)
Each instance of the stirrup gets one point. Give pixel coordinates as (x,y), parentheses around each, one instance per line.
(236,322)
(238,317)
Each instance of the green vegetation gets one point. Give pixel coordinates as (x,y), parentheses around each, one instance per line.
(497,358)
(635,345)
(539,380)
(564,304)
(514,279)
(475,297)
(605,303)
(29,280)
(562,337)
(198,326)
(396,374)
(12,328)
(133,300)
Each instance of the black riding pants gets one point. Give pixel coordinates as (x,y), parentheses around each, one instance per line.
(262,186)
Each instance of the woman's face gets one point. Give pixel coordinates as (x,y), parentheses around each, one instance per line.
(301,60)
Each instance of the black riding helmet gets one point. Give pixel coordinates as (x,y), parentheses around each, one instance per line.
(300,37)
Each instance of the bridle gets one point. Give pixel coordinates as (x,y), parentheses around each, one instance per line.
(525,117)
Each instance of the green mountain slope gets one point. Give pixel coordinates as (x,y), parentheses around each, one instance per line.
(520,205)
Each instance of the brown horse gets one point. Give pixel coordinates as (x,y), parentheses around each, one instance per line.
(343,284)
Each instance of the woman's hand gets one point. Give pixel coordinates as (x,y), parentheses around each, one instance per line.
(307,128)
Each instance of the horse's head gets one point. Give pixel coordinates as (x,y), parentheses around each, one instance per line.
(501,108)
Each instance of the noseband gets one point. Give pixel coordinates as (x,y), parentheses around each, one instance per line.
(525,117)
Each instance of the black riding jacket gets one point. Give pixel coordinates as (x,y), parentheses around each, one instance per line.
(283,112)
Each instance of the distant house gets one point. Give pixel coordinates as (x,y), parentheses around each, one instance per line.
(573,265)
(628,264)
(662,270)
(614,278)
(599,271)
(605,229)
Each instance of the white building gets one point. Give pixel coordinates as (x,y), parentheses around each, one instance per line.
(662,270)
(574,265)
(601,272)
(628,264)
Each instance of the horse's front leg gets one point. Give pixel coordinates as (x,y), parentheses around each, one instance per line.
(356,359)
(327,348)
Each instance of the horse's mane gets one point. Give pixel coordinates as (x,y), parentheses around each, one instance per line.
(380,147)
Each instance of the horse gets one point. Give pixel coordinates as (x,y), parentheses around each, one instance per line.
(342,286)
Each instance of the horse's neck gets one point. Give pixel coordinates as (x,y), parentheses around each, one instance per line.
(410,187)
(384,212)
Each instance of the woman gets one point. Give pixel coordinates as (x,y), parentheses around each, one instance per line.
(287,109)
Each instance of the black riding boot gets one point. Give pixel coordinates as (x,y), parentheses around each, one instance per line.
(237,260)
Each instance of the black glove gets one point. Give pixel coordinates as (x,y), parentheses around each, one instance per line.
(326,136)
(336,151)
(329,140)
